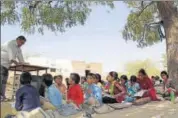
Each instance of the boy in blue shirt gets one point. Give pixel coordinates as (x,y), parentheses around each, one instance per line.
(51,92)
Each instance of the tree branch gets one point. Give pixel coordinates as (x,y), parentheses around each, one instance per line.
(36,3)
(142,5)
(143,8)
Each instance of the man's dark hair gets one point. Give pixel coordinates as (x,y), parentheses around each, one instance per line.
(58,76)
(25,78)
(75,77)
(48,79)
(21,38)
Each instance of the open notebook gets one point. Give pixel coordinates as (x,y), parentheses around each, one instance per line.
(140,93)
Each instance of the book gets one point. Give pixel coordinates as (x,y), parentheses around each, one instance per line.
(140,93)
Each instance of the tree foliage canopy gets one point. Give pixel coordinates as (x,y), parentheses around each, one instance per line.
(138,27)
(35,16)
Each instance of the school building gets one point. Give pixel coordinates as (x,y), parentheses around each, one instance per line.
(63,67)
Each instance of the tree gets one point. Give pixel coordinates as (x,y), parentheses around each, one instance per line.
(144,24)
(35,16)
(150,21)
(132,68)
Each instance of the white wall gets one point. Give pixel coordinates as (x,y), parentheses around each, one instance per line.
(63,67)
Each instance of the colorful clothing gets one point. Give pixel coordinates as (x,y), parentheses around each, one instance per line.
(75,94)
(168,85)
(96,92)
(84,86)
(131,90)
(146,84)
(99,85)
(54,96)
(116,88)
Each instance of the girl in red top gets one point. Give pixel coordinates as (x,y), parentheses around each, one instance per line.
(75,94)
(146,84)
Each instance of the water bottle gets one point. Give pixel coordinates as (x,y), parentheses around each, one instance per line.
(172,96)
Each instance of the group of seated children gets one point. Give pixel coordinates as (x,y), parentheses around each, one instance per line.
(122,90)
(90,91)
(28,97)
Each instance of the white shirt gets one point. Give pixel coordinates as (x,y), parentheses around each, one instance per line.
(10,51)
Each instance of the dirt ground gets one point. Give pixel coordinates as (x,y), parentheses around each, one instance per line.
(163,109)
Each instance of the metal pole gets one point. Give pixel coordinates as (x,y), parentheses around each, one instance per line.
(13,94)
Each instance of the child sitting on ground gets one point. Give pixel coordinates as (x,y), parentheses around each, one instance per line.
(132,88)
(98,81)
(115,92)
(93,93)
(75,94)
(168,85)
(51,92)
(83,83)
(59,84)
(27,97)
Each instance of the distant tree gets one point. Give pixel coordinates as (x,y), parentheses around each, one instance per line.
(132,68)
(149,22)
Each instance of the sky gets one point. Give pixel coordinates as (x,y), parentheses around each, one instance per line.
(99,40)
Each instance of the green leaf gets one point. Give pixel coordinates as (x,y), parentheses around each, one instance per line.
(35,16)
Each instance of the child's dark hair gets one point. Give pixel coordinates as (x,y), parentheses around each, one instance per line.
(25,78)
(165,73)
(83,78)
(124,77)
(58,76)
(143,71)
(48,79)
(133,78)
(114,75)
(75,77)
(67,82)
(98,77)
(92,75)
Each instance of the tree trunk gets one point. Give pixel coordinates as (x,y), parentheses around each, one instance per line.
(169,15)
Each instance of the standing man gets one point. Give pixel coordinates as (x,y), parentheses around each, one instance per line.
(9,52)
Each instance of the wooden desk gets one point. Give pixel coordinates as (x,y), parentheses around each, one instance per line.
(27,68)
(23,68)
